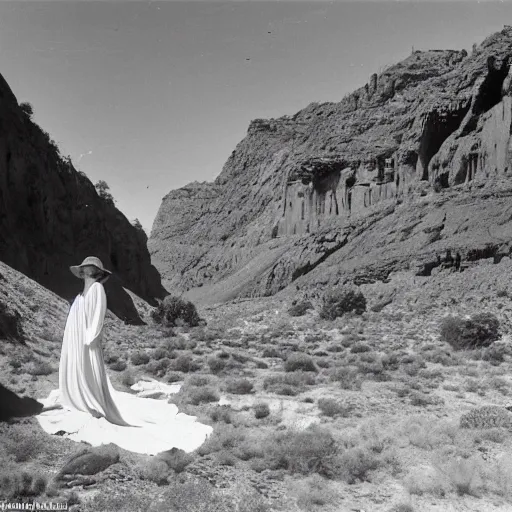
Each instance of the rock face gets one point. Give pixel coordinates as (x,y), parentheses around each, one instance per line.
(51,217)
(415,161)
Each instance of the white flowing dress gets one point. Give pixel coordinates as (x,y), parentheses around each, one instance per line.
(92,410)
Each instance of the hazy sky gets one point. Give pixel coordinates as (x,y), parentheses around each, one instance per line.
(150,96)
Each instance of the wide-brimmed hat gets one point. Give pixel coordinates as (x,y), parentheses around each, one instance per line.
(90,260)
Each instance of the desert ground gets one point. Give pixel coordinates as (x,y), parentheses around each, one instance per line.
(368,412)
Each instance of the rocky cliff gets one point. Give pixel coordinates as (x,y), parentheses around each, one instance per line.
(414,162)
(51,217)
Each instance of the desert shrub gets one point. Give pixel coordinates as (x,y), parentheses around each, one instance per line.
(309,451)
(300,309)
(225,438)
(239,386)
(297,379)
(184,363)
(139,358)
(426,480)
(22,442)
(221,413)
(199,380)
(359,348)
(341,300)
(488,416)
(478,331)
(173,310)
(216,364)
(196,396)
(348,377)
(153,469)
(118,366)
(10,324)
(314,491)
(464,476)
(198,495)
(176,459)
(160,353)
(173,377)
(331,407)
(495,353)
(356,463)
(129,499)
(40,368)
(128,379)
(261,410)
(15,484)
(157,368)
(271,352)
(300,362)
(421,399)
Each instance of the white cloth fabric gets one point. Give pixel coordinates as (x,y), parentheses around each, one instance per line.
(92,410)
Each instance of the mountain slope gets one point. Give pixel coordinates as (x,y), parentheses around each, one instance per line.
(433,129)
(51,217)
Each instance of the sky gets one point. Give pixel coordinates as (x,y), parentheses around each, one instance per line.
(150,96)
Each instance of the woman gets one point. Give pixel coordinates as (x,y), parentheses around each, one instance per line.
(86,408)
(83,381)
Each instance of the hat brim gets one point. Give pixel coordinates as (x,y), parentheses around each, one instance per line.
(77,270)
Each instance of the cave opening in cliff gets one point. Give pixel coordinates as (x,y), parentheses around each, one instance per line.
(489,93)
(439,125)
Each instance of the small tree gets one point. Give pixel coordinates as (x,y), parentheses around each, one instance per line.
(104,191)
(27,109)
(478,331)
(341,300)
(173,310)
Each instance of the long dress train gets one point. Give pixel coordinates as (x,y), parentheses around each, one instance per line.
(92,410)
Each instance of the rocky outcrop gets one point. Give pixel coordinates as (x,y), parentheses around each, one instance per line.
(310,189)
(51,217)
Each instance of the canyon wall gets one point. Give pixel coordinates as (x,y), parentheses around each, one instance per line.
(51,217)
(305,188)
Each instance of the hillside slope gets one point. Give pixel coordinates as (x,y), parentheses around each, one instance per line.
(414,162)
(51,217)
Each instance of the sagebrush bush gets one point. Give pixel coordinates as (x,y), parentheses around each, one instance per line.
(488,416)
(341,300)
(261,410)
(216,364)
(347,376)
(299,361)
(239,386)
(173,311)
(309,451)
(176,459)
(300,309)
(139,358)
(40,368)
(331,407)
(478,331)
(118,365)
